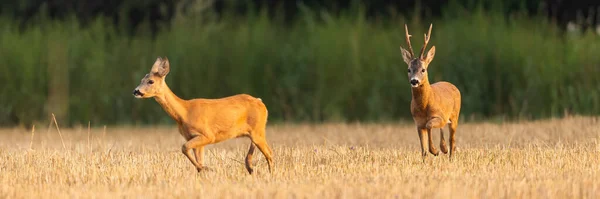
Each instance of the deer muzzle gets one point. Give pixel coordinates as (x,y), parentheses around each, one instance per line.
(137,93)
(414,82)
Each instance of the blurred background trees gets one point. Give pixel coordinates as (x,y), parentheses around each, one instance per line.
(308,60)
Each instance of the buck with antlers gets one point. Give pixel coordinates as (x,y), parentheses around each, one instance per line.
(208,121)
(432,105)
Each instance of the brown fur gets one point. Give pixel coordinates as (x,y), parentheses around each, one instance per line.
(432,106)
(208,121)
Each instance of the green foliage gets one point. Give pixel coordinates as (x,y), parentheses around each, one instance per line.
(320,68)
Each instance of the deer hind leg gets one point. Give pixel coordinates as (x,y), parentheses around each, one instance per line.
(452,139)
(432,149)
(249,158)
(423,141)
(260,142)
(443,146)
(195,143)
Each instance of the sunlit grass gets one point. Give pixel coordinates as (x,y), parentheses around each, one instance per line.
(544,159)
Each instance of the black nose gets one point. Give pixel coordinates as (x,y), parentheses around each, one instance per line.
(137,92)
(414,82)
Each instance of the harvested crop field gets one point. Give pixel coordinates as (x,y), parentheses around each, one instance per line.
(557,158)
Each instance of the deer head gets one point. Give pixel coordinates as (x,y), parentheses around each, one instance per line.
(154,82)
(417,66)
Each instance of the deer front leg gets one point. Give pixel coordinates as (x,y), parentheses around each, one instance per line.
(423,141)
(432,149)
(435,122)
(200,156)
(443,146)
(194,143)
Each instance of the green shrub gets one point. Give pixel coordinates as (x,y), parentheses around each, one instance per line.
(319,68)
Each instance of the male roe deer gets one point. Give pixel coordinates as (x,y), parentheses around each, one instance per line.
(208,121)
(432,106)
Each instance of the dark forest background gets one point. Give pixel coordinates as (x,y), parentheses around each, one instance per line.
(309,60)
(135,12)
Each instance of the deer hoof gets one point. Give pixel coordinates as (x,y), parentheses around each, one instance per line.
(434,152)
(204,169)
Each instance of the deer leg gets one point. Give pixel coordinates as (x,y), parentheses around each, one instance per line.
(435,122)
(443,146)
(423,142)
(432,149)
(199,151)
(452,139)
(194,143)
(249,158)
(262,145)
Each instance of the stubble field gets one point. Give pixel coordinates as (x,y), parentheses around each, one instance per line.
(557,158)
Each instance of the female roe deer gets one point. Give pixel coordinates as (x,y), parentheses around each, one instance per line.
(208,121)
(432,106)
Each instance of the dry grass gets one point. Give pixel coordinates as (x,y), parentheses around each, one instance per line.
(544,159)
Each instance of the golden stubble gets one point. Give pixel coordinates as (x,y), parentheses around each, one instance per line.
(544,159)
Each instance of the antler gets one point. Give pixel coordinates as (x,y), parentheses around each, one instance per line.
(408,41)
(427,36)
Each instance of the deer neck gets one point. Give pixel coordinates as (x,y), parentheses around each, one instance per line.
(421,95)
(173,105)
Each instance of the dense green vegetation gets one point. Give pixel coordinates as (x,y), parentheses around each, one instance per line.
(319,68)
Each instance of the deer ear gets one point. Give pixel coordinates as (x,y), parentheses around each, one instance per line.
(406,55)
(430,55)
(161,67)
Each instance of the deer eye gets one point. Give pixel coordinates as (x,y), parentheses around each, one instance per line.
(150,81)
(422,70)
(409,70)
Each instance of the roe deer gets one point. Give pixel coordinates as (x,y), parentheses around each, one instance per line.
(208,121)
(432,106)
